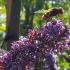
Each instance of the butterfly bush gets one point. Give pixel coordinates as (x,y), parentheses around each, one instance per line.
(33,50)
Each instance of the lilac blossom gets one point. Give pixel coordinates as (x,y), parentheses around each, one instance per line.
(39,44)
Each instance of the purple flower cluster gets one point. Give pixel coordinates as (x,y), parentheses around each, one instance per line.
(53,37)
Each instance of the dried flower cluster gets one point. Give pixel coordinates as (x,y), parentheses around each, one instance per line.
(40,43)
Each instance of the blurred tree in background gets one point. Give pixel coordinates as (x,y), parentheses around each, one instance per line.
(29,7)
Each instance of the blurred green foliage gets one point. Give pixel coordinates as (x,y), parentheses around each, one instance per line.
(29,7)
(2,21)
(30,19)
(2,2)
(2,18)
(65,4)
(63,61)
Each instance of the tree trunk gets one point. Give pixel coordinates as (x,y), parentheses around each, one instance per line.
(28,21)
(13,14)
